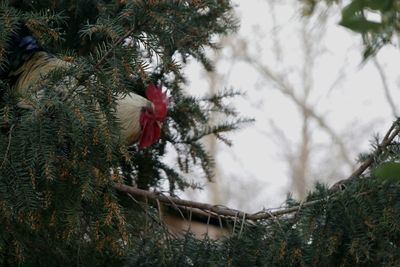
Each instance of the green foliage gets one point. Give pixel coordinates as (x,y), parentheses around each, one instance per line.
(388,171)
(357,227)
(357,16)
(57,203)
(375,33)
(58,206)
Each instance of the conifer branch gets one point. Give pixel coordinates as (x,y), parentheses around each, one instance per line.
(385,87)
(118,42)
(226,212)
(8,146)
(218,210)
(393,131)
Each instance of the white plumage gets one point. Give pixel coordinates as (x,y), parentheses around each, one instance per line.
(128,112)
(135,113)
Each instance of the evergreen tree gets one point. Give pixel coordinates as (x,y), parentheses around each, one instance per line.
(61,155)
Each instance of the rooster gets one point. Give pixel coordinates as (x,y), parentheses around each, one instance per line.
(140,118)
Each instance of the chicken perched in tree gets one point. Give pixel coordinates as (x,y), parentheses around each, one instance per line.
(140,118)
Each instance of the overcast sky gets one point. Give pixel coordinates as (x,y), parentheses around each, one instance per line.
(254,171)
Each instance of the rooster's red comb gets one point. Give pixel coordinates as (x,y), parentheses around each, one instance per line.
(159,100)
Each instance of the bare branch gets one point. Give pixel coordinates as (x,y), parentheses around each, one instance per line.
(233,214)
(385,85)
(274,33)
(390,135)
(288,90)
(208,208)
(179,202)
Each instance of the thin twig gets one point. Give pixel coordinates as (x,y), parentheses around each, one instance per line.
(242,225)
(390,135)
(151,216)
(177,201)
(288,90)
(176,207)
(108,53)
(261,215)
(385,85)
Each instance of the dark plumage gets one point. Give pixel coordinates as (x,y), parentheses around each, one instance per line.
(20,47)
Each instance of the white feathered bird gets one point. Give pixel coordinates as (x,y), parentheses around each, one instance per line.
(141,119)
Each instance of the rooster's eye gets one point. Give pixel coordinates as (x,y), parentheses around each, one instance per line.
(146,109)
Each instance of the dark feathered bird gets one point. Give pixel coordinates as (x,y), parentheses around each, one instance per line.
(141,119)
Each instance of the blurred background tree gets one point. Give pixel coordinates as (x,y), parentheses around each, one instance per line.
(315,100)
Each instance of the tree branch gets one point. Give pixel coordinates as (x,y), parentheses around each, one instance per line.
(217,210)
(287,90)
(221,211)
(385,85)
(390,135)
(118,42)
